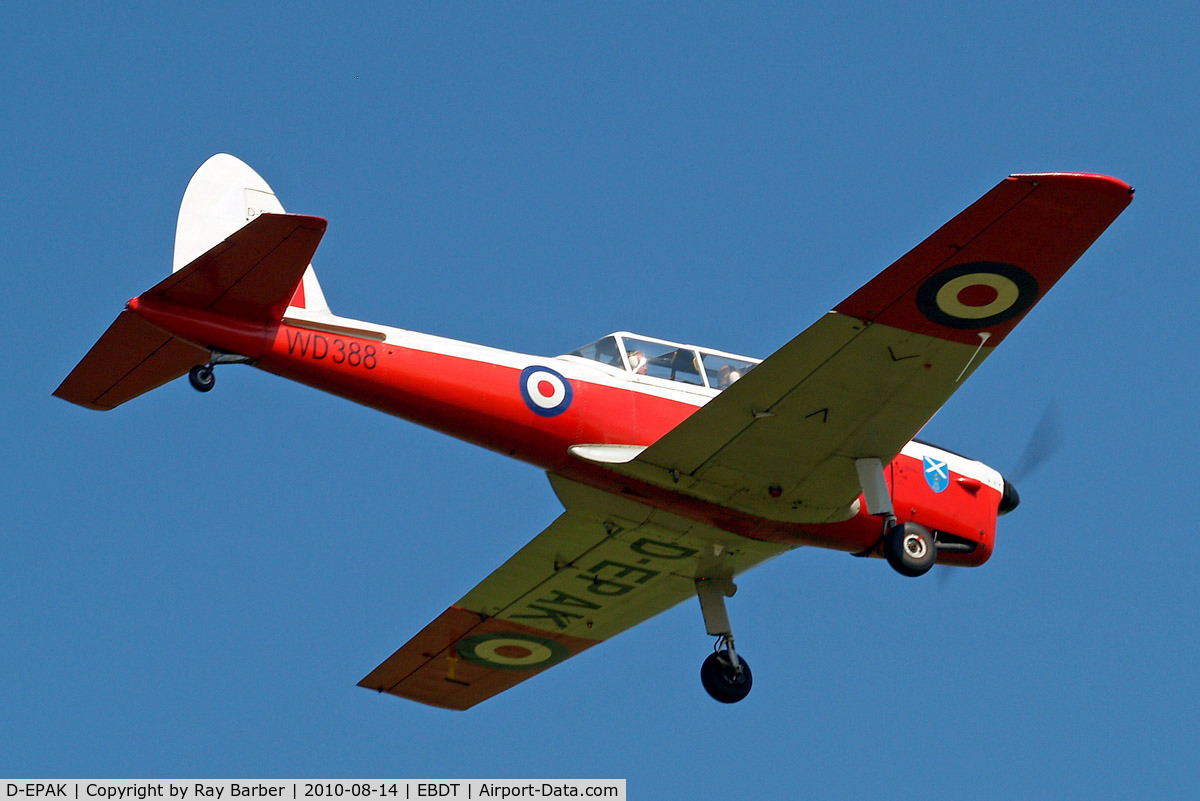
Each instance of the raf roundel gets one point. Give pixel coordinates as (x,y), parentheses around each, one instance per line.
(511,651)
(545,391)
(976,295)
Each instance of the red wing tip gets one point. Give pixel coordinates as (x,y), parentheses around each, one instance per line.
(1079,178)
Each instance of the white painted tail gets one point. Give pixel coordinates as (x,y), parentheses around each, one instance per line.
(224,195)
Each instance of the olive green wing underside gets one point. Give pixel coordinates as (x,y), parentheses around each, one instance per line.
(606,564)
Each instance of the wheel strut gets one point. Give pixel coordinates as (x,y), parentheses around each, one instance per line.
(725,643)
(712,594)
(724,674)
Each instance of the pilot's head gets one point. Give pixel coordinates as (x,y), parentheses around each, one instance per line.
(637,362)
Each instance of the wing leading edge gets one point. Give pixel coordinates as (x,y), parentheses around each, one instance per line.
(604,565)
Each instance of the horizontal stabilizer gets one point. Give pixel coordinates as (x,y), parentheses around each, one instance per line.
(250,277)
(131,358)
(253,274)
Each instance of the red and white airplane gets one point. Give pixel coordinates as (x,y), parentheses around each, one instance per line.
(678,466)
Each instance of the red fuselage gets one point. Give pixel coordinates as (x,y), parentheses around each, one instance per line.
(472,392)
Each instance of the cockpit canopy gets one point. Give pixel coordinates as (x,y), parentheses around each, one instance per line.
(671,361)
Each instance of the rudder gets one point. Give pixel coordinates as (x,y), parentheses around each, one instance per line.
(223,196)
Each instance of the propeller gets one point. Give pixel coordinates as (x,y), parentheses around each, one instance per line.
(1044,441)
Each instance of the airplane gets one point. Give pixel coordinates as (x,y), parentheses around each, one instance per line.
(679,467)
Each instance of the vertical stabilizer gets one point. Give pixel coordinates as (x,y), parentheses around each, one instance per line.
(222,197)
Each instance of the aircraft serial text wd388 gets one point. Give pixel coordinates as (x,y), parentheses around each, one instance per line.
(679,467)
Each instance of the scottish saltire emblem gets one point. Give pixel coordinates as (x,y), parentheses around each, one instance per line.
(937,474)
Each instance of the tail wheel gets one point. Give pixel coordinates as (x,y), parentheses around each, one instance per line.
(910,549)
(202,378)
(722,680)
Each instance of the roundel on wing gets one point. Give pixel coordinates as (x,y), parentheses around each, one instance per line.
(545,391)
(511,651)
(977,294)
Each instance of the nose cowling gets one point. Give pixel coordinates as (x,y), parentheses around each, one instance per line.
(1010,499)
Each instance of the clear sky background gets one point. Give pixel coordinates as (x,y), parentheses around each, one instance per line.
(192,584)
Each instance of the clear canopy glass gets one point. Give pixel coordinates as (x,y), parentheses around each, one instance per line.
(667,361)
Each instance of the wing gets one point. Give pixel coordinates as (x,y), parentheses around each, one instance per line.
(781,443)
(604,565)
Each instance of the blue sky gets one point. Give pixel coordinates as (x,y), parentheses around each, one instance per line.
(191,585)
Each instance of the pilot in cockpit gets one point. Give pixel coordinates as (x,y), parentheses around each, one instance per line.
(726,376)
(637,362)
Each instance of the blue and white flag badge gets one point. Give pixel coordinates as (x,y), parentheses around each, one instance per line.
(937,474)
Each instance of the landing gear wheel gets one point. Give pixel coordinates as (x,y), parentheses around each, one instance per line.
(721,681)
(909,549)
(202,378)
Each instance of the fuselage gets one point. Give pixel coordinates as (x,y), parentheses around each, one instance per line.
(536,408)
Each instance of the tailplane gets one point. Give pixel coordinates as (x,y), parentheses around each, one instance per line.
(238,257)
(131,358)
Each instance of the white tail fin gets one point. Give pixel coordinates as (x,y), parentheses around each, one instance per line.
(224,195)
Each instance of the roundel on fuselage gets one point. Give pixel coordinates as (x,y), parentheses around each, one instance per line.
(546,392)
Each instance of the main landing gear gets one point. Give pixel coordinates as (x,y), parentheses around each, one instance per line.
(910,549)
(725,675)
(202,378)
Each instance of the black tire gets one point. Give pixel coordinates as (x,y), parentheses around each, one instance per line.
(910,549)
(202,378)
(721,682)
